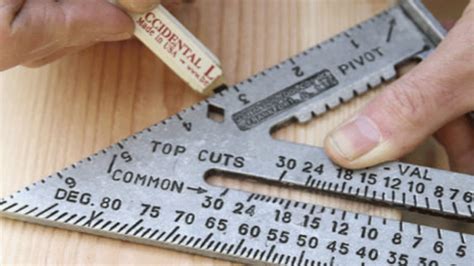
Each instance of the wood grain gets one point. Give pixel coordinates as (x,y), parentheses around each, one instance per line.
(58,114)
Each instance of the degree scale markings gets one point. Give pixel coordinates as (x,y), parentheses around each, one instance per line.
(149,188)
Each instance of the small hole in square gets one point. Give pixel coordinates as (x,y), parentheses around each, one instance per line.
(215,113)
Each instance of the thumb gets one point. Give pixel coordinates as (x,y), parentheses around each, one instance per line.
(141,6)
(412,108)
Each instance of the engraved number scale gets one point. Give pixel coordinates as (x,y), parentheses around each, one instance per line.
(150,187)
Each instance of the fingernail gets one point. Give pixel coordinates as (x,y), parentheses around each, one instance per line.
(139,6)
(115,37)
(355,138)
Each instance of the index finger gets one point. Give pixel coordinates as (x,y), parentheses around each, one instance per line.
(141,6)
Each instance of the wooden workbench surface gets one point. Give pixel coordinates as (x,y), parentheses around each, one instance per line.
(55,115)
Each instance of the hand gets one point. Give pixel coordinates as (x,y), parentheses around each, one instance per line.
(37,32)
(432,98)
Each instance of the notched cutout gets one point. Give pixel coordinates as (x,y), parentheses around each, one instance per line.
(269,190)
(275,189)
(315,126)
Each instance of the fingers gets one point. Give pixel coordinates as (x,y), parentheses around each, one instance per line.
(31,30)
(56,55)
(412,108)
(457,137)
(141,6)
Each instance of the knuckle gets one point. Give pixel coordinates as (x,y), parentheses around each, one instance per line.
(408,102)
(26,32)
(414,99)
